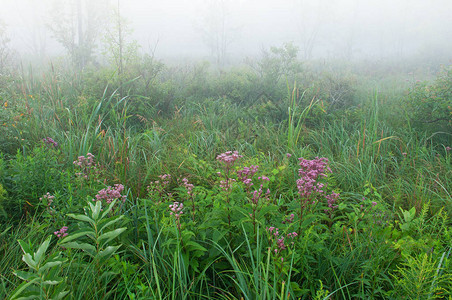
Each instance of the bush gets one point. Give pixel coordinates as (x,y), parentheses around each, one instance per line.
(429,105)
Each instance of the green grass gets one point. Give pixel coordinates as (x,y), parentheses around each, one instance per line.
(395,180)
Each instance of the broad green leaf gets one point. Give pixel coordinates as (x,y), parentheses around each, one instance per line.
(83,218)
(108,236)
(29,260)
(51,282)
(110,207)
(24,246)
(39,255)
(111,223)
(51,264)
(25,275)
(76,236)
(61,295)
(96,210)
(192,245)
(22,288)
(83,246)
(107,274)
(108,251)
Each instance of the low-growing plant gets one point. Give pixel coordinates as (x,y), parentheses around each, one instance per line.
(42,281)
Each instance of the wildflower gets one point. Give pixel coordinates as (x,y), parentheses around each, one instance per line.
(47,197)
(374,203)
(448,148)
(50,142)
(226,184)
(229,157)
(404,154)
(331,199)
(159,186)
(289,219)
(176,209)
(292,235)
(86,164)
(310,171)
(280,244)
(62,232)
(246,174)
(270,229)
(165,179)
(111,193)
(288,155)
(188,186)
(264,178)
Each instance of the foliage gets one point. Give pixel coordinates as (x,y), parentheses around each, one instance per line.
(429,104)
(42,281)
(321,196)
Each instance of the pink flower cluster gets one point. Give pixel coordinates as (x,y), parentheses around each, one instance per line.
(332,200)
(448,148)
(280,245)
(86,164)
(246,174)
(226,185)
(165,178)
(50,142)
(258,194)
(158,188)
(159,185)
(188,186)
(229,157)
(62,232)
(111,193)
(289,219)
(176,209)
(310,172)
(47,197)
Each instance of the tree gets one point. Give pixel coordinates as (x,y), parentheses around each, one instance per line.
(76,25)
(119,49)
(217,31)
(5,51)
(310,21)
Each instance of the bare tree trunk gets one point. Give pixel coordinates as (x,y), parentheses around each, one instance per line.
(120,41)
(81,46)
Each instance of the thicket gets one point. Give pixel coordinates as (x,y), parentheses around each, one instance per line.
(273,180)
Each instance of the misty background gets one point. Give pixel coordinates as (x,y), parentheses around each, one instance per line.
(231,30)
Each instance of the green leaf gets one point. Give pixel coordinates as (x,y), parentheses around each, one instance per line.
(61,295)
(110,207)
(76,236)
(83,246)
(39,255)
(83,218)
(108,236)
(108,251)
(22,288)
(29,260)
(51,264)
(96,210)
(25,275)
(192,246)
(51,282)
(111,222)
(24,246)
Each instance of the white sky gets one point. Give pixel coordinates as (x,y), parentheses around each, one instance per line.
(339,27)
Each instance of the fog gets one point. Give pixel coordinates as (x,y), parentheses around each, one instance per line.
(196,29)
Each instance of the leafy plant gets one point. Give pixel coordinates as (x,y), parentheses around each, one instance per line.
(42,280)
(94,237)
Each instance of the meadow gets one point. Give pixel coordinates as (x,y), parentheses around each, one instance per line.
(277,179)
